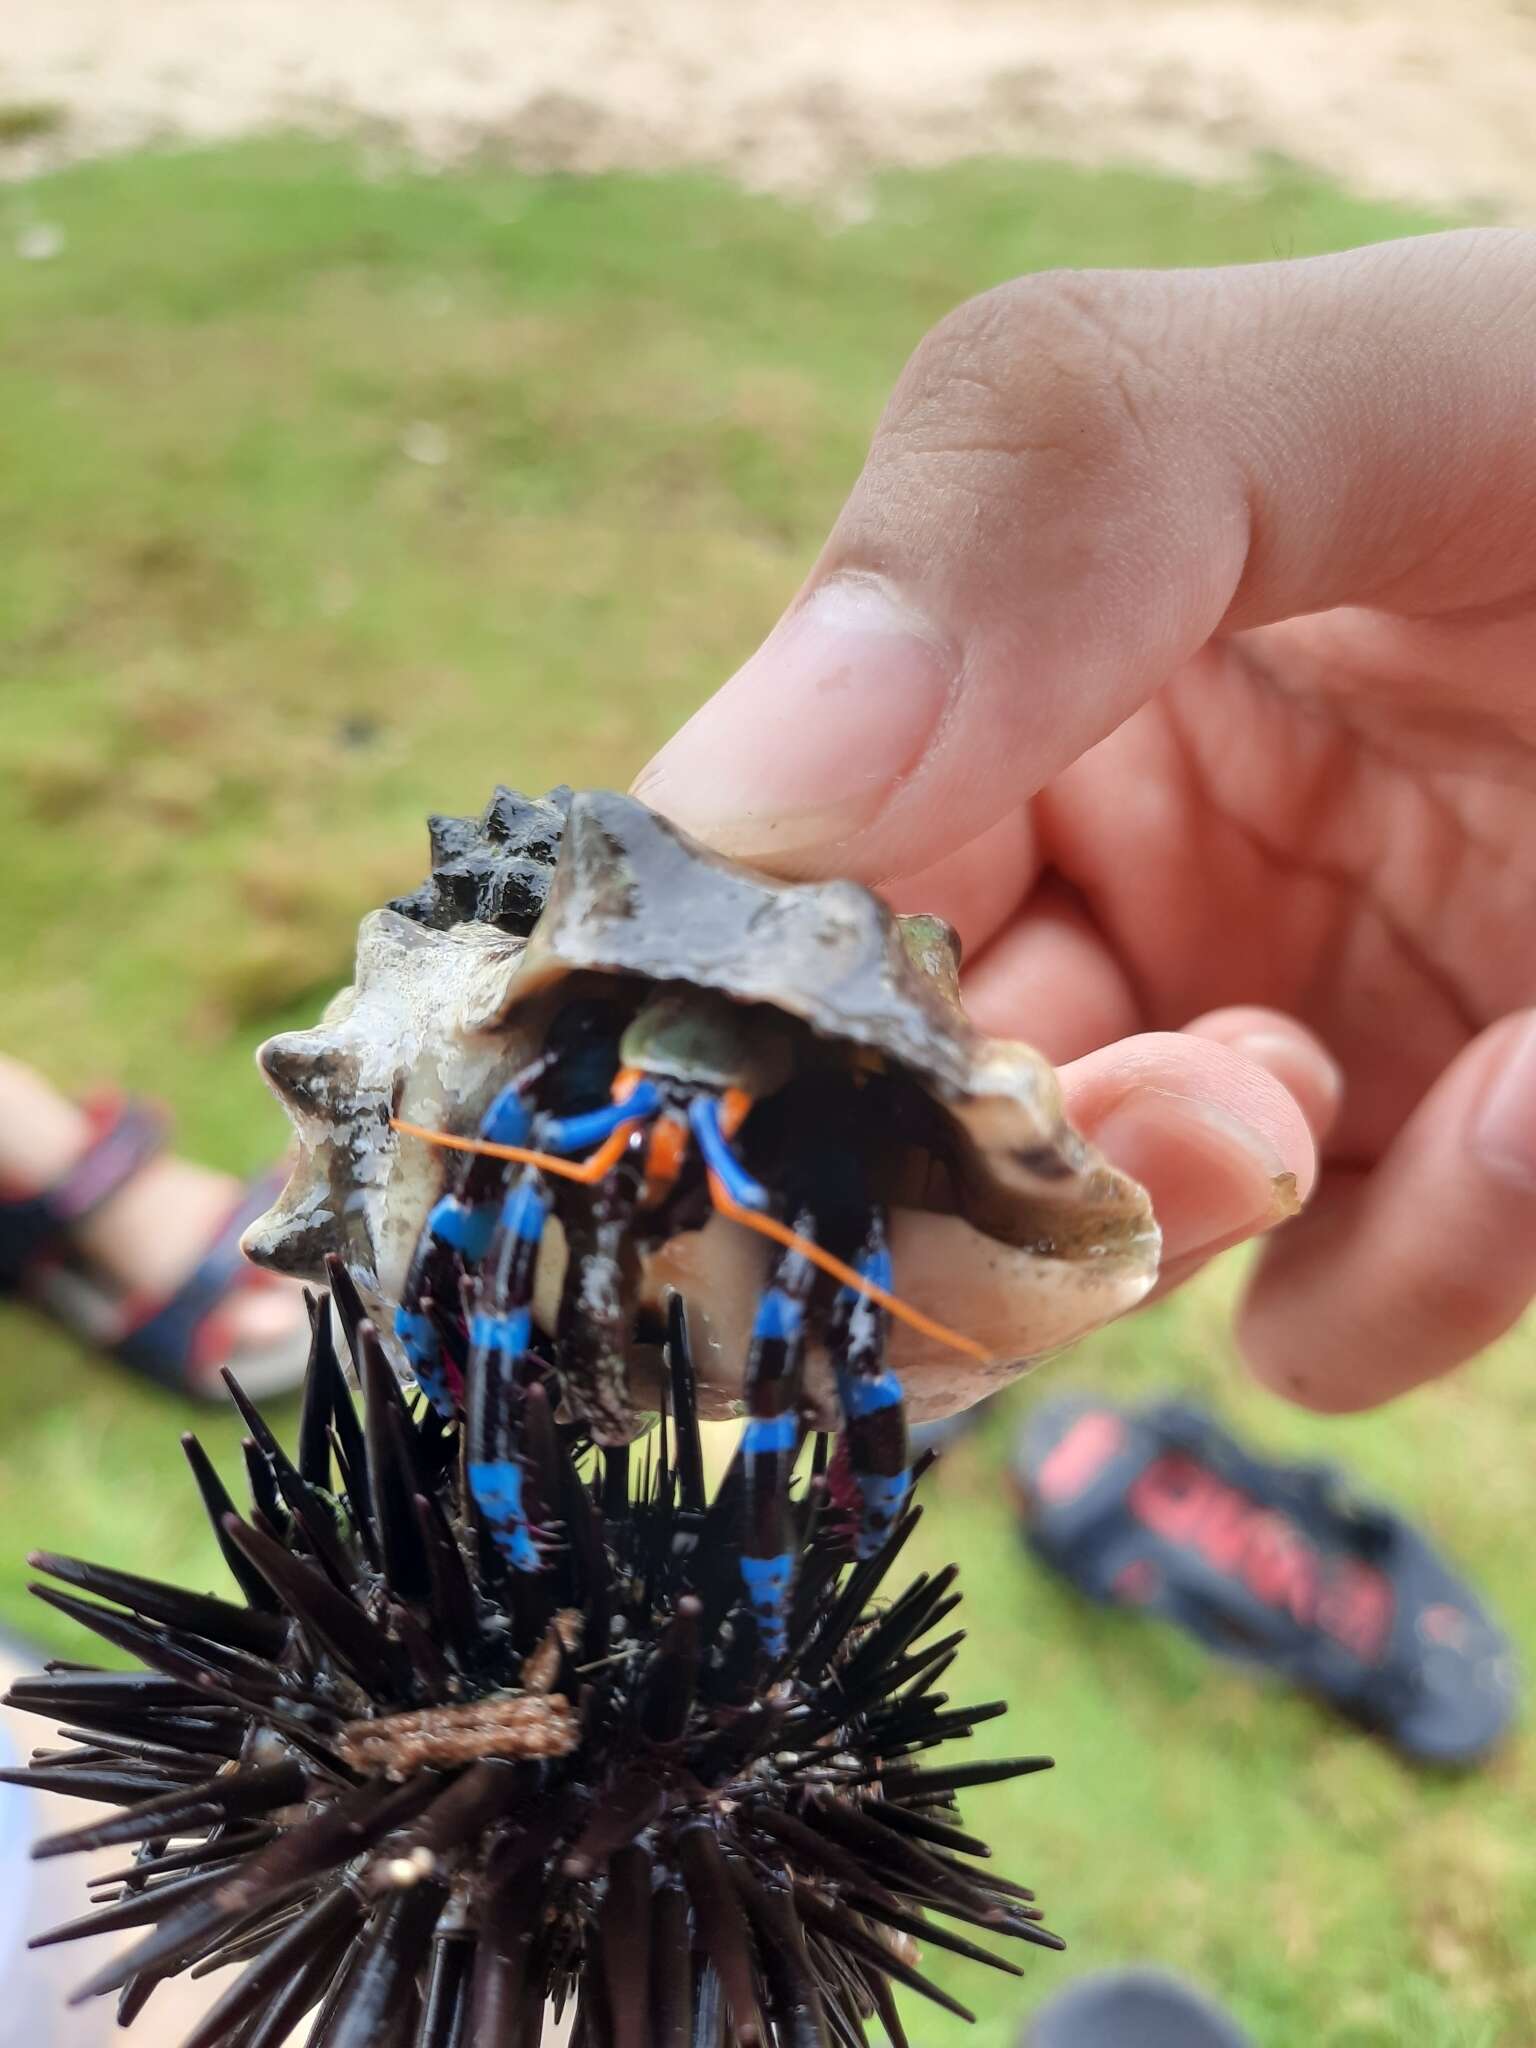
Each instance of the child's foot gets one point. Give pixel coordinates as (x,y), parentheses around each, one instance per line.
(135,1252)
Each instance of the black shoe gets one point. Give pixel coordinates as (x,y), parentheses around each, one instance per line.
(1131,2009)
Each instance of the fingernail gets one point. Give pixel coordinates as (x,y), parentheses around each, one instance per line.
(805,743)
(1212,1178)
(1504,1129)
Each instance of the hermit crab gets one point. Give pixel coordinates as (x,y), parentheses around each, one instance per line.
(591,1062)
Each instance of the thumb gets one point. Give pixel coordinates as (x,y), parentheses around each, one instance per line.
(1079,479)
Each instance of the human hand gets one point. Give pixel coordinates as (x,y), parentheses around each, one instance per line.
(1178,643)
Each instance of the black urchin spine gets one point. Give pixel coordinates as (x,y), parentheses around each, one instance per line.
(423,1798)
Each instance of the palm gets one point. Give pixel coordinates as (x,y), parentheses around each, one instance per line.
(1282,825)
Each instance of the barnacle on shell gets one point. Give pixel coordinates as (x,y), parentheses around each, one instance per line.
(423,1802)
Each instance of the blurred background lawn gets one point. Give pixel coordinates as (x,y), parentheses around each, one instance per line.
(333,492)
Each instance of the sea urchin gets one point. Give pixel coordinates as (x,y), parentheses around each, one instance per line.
(425,1799)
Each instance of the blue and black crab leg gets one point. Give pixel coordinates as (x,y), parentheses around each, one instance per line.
(600,1296)
(769,1444)
(501,1325)
(708,1117)
(458,1230)
(572,1136)
(874,1414)
(869,1392)
(455,1239)
(499,1332)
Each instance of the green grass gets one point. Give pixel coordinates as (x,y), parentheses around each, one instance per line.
(251,637)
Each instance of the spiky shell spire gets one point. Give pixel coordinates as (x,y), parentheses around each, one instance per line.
(494,869)
(424,1801)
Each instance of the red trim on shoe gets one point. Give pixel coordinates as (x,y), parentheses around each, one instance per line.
(1261,1548)
(182,1338)
(1081,1455)
(37,1224)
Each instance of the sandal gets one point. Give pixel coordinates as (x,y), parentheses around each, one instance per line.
(180,1340)
(1276,1565)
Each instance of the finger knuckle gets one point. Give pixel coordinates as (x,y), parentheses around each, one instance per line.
(1058,369)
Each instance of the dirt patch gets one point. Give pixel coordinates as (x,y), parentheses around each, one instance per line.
(1409,99)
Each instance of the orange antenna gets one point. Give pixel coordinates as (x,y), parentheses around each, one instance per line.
(587,1171)
(768,1226)
(608,1154)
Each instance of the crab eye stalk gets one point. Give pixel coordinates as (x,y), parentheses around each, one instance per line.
(420,1797)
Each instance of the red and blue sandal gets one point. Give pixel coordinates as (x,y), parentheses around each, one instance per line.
(180,1340)
(1160,1510)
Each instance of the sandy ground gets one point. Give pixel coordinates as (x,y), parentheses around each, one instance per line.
(1427,100)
